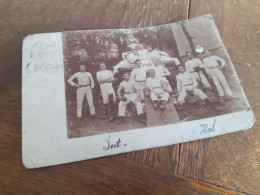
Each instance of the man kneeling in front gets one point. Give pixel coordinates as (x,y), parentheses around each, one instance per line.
(159,95)
(187,84)
(128,90)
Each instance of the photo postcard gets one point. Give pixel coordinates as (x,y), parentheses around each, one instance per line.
(94,93)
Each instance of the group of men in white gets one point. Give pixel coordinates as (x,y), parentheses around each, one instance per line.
(149,77)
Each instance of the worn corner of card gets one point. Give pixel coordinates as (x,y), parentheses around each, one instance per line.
(93,93)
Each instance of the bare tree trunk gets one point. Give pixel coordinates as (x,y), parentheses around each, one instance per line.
(189,38)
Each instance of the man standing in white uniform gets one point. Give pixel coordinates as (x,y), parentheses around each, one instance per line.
(163,57)
(105,78)
(158,95)
(139,76)
(127,88)
(193,66)
(84,86)
(187,84)
(214,70)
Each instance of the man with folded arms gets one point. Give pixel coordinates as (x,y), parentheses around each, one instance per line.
(84,88)
(105,78)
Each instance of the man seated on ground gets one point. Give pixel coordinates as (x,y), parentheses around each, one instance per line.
(127,88)
(158,95)
(162,56)
(193,66)
(187,84)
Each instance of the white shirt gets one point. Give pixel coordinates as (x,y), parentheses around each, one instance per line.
(104,75)
(132,57)
(127,87)
(212,62)
(161,71)
(190,65)
(84,78)
(139,74)
(156,54)
(185,79)
(153,83)
(143,54)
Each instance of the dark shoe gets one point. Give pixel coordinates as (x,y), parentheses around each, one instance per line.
(79,119)
(207,101)
(178,107)
(93,116)
(121,120)
(162,106)
(112,119)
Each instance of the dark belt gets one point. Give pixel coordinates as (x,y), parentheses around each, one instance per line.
(106,82)
(140,81)
(156,87)
(212,67)
(129,92)
(84,85)
(188,85)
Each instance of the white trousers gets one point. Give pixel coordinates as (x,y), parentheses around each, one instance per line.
(183,94)
(159,94)
(220,82)
(201,77)
(140,87)
(106,90)
(81,92)
(130,98)
(167,59)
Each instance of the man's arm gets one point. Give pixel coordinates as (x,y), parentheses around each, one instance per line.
(166,72)
(91,80)
(149,85)
(120,88)
(187,67)
(194,81)
(223,62)
(177,61)
(133,75)
(70,81)
(178,84)
(98,78)
(200,64)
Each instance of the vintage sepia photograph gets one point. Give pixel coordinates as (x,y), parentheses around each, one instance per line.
(118,80)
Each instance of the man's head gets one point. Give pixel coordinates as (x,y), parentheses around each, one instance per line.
(82,68)
(151,73)
(181,69)
(190,55)
(155,61)
(207,53)
(102,66)
(126,77)
(138,63)
(149,48)
(134,50)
